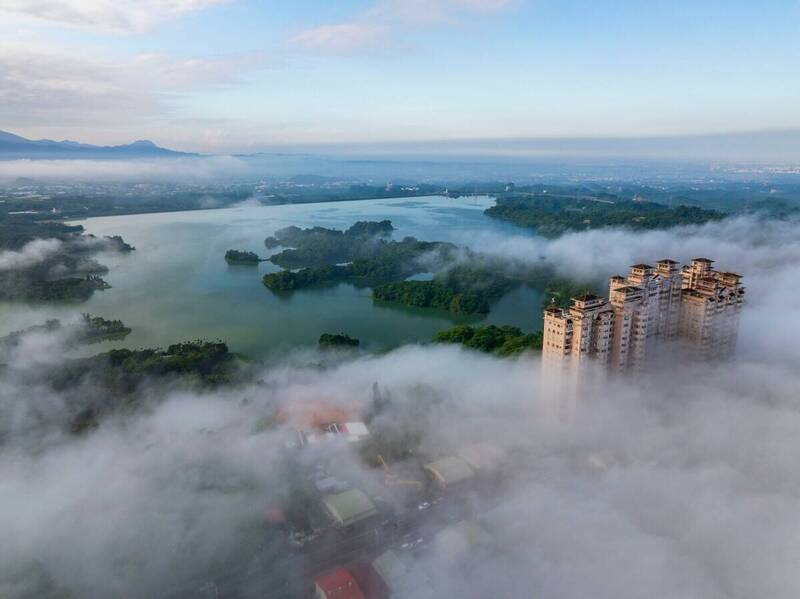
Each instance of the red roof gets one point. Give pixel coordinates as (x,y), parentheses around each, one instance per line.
(339,584)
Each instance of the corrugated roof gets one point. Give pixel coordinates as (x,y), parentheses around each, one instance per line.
(402,578)
(450,470)
(349,507)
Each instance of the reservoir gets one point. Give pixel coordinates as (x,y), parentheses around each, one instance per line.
(177,286)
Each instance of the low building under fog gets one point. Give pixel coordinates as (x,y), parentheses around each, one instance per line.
(348,507)
(337,584)
(448,472)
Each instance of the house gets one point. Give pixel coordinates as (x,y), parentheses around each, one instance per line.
(348,507)
(352,432)
(401,578)
(337,584)
(449,471)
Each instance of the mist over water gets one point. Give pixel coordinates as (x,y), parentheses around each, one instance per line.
(177,285)
(680,484)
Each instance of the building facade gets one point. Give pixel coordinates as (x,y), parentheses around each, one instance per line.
(695,305)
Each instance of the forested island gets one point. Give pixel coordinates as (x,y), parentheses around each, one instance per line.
(337,340)
(239,257)
(88,329)
(463,283)
(504,341)
(318,246)
(552,215)
(359,254)
(45,260)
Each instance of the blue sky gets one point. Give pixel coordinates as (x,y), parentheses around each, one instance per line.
(238,75)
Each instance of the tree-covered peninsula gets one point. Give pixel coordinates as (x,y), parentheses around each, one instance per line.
(115,380)
(553,215)
(87,329)
(461,289)
(319,246)
(502,341)
(45,260)
(361,254)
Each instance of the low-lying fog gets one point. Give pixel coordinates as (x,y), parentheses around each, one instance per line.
(681,484)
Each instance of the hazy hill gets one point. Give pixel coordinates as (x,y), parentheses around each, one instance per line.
(15,146)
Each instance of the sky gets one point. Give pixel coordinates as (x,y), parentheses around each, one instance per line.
(243,75)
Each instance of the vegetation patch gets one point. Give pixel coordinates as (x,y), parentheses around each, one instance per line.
(491,339)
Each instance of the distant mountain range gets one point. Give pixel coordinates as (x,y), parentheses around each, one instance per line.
(14,146)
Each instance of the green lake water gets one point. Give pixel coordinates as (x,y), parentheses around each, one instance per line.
(177,286)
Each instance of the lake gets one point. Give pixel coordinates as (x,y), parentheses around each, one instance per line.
(177,286)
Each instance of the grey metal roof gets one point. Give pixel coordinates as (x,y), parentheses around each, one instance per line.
(349,507)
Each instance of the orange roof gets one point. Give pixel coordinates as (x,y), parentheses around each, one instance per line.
(339,584)
(313,413)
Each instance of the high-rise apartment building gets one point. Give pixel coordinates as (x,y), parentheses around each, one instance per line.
(695,304)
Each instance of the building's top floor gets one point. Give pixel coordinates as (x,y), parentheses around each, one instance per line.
(641,268)
(699,276)
(588,301)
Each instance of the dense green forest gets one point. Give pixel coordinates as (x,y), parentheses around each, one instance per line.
(82,201)
(88,329)
(16,231)
(553,215)
(431,294)
(65,270)
(461,289)
(464,288)
(239,257)
(318,246)
(22,285)
(113,380)
(360,254)
(333,340)
(498,340)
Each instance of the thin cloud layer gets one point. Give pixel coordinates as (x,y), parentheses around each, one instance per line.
(378,24)
(342,36)
(31,254)
(172,169)
(110,16)
(40,83)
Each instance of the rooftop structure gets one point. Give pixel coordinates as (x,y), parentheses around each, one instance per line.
(352,432)
(402,578)
(348,507)
(337,584)
(449,471)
